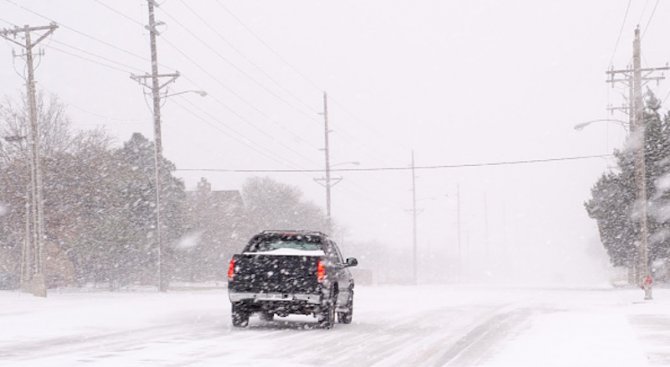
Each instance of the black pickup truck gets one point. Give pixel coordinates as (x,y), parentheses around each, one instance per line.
(291,272)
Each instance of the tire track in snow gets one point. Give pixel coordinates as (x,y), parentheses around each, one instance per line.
(382,341)
(476,345)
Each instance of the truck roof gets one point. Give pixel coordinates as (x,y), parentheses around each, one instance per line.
(293,233)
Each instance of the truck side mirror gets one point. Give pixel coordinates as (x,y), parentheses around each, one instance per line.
(351,261)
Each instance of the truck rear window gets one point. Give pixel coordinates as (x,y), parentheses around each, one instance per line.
(275,244)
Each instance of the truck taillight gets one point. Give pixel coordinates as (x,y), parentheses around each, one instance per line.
(320,271)
(231,270)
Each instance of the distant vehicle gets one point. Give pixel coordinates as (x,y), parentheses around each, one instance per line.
(291,272)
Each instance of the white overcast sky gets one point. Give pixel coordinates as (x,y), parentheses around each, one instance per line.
(457,81)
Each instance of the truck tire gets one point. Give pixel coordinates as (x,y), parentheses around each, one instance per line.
(326,316)
(346,317)
(240,316)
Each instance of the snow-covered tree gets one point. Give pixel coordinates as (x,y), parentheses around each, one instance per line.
(614,201)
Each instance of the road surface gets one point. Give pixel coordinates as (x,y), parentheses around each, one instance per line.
(393,326)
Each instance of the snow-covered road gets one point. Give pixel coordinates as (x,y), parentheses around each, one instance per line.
(393,326)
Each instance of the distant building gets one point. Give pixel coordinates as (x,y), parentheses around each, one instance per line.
(213,220)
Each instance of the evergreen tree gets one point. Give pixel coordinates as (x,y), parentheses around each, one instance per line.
(614,202)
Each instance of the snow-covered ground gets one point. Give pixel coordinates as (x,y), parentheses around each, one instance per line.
(393,326)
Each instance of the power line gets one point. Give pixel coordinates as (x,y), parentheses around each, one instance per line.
(402,168)
(237,68)
(239,137)
(226,87)
(254,126)
(653,11)
(644,9)
(212,76)
(8,22)
(81,33)
(618,39)
(236,136)
(239,52)
(120,13)
(51,47)
(307,79)
(128,67)
(257,37)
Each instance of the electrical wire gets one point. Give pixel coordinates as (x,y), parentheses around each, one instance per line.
(644,9)
(653,11)
(235,67)
(402,168)
(82,33)
(232,133)
(120,13)
(618,38)
(261,131)
(8,22)
(126,66)
(297,137)
(311,82)
(225,87)
(279,56)
(245,57)
(111,67)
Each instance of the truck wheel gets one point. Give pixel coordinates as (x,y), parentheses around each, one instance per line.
(346,317)
(240,316)
(327,314)
(266,316)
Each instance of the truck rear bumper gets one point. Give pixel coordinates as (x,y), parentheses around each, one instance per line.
(274,297)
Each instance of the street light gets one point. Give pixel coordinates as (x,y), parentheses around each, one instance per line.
(201,93)
(353,163)
(582,125)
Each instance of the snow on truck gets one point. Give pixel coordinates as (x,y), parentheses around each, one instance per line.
(291,272)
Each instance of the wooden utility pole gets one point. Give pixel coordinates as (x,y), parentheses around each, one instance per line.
(38,277)
(156,87)
(328,181)
(634,78)
(638,129)
(458,232)
(414,229)
(327,158)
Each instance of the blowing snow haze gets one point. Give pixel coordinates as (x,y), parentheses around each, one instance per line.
(458,84)
(439,182)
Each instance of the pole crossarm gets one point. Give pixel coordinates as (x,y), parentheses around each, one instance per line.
(323,181)
(645,75)
(643,70)
(145,79)
(6,33)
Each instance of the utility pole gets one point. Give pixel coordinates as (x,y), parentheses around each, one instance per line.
(634,78)
(641,171)
(458,232)
(156,87)
(414,229)
(327,157)
(487,241)
(328,182)
(38,277)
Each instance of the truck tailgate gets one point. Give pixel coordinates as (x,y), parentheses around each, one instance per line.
(275,274)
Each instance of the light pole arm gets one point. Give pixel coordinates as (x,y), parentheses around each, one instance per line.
(584,124)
